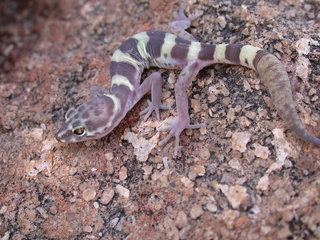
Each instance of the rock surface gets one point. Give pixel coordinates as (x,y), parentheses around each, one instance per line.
(243,176)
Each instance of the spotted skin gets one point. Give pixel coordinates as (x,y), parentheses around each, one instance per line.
(106,108)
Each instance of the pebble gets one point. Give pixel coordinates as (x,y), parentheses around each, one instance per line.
(107,196)
(53,210)
(113,223)
(122,191)
(6,236)
(196,211)
(42,212)
(196,171)
(96,205)
(87,229)
(204,154)
(89,194)
(196,105)
(187,182)
(123,173)
(240,140)
(72,171)
(261,151)
(3,209)
(109,168)
(36,133)
(211,207)
(236,194)
(109,156)
(221,21)
(181,220)
(229,216)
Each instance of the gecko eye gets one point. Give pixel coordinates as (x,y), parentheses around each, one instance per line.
(80,131)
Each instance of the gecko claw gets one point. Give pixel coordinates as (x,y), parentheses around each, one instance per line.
(153,107)
(176,126)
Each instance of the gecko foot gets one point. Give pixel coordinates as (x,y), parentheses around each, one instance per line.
(156,107)
(181,23)
(176,126)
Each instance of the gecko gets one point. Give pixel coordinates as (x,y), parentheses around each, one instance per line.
(106,108)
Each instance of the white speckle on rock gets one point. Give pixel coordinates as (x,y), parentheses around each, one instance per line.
(165,162)
(187,182)
(89,194)
(109,156)
(87,229)
(72,171)
(107,196)
(302,46)
(122,191)
(142,146)
(196,211)
(204,153)
(229,216)
(235,164)
(261,151)
(96,205)
(35,167)
(196,171)
(221,20)
(283,149)
(3,209)
(36,133)
(48,144)
(123,173)
(239,141)
(236,194)
(211,207)
(6,236)
(181,220)
(263,183)
(302,66)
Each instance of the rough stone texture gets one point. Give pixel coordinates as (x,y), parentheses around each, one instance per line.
(52,51)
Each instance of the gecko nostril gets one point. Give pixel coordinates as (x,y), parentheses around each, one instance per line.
(57,136)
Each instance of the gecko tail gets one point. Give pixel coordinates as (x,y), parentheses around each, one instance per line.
(306,136)
(275,77)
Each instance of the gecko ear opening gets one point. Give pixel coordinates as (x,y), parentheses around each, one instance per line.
(96,91)
(70,113)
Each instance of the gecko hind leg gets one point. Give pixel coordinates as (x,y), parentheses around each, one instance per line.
(176,126)
(181,23)
(182,121)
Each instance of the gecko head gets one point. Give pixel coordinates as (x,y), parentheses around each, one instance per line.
(90,120)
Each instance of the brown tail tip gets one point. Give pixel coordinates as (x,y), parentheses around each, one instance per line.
(303,134)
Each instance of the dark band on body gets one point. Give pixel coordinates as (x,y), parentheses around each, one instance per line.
(130,46)
(181,49)
(154,45)
(125,69)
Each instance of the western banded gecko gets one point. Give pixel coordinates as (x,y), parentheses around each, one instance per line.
(106,108)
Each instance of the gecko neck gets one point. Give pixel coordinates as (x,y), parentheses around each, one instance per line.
(125,97)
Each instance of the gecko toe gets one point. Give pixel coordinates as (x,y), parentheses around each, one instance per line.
(153,107)
(176,126)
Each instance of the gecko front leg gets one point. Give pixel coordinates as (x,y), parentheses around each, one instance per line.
(182,121)
(152,82)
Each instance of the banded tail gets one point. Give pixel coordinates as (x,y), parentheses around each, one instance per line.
(274,76)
